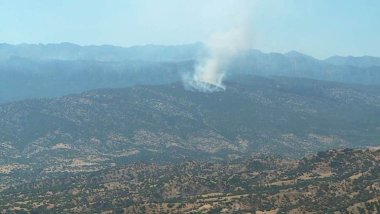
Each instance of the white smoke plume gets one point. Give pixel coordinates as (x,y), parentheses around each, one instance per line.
(221,49)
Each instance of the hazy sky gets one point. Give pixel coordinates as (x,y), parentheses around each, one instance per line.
(317,27)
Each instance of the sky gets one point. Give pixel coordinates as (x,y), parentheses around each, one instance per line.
(320,28)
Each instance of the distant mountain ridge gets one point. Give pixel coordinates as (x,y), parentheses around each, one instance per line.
(364,61)
(70,51)
(37,71)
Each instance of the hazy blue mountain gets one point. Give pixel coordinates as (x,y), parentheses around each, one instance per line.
(33,71)
(364,61)
(294,64)
(25,78)
(69,51)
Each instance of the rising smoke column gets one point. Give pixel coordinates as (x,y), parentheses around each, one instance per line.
(221,49)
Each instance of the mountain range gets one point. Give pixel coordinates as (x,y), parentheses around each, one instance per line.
(37,71)
(89,129)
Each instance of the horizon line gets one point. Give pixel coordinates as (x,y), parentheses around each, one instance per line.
(176,45)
